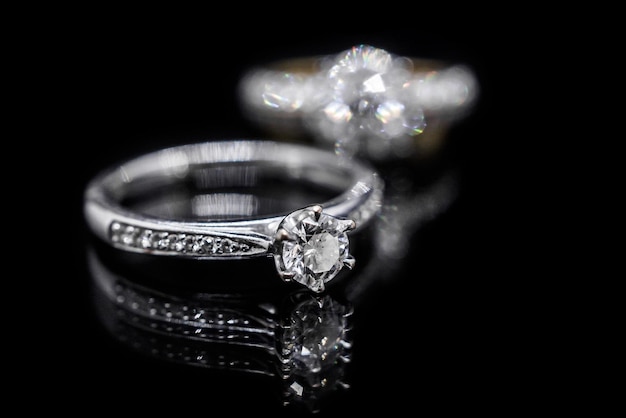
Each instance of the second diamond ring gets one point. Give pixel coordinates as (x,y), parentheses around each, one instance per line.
(364,100)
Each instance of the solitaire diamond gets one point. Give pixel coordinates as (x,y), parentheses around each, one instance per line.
(311,247)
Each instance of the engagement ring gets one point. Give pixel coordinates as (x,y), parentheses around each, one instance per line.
(233,199)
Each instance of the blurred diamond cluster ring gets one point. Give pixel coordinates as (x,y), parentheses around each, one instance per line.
(364,99)
(196,201)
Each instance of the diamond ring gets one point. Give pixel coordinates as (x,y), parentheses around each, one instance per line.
(364,100)
(197,201)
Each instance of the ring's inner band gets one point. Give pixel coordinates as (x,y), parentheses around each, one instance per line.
(233,190)
(229,179)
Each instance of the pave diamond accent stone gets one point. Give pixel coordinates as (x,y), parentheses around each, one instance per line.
(311,247)
(149,240)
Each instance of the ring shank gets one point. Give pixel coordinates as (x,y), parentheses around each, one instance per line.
(356,188)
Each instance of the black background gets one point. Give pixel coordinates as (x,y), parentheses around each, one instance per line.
(434,337)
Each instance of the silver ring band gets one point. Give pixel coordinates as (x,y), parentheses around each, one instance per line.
(235,231)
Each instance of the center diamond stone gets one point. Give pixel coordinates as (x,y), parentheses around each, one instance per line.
(311,247)
(321,252)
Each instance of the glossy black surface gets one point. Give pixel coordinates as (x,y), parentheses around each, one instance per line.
(424,326)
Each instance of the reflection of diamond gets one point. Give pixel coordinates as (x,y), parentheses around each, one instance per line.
(367,97)
(314,345)
(316,334)
(311,247)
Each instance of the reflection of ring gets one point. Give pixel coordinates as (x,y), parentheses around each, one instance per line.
(302,339)
(411,202)
(217,220)
(364,99)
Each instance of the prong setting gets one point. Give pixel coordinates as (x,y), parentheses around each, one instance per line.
(281,235)
(349,262)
